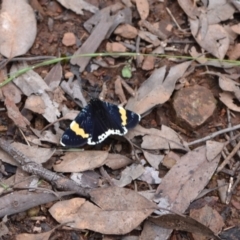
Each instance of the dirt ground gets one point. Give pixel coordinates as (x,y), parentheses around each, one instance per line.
(53,22)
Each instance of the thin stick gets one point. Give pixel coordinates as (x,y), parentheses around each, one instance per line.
(226,161)
(213,135)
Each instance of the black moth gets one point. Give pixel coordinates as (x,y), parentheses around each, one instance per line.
(96,122)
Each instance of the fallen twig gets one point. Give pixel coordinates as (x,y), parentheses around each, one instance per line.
(213,135)
(226,161)
(27,165)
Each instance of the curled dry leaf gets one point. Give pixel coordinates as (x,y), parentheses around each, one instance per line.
(17,27)
(228,99)
(81,161)
(227,84)
(157,89)
(115,211)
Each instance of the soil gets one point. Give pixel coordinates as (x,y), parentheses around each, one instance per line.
(49,43)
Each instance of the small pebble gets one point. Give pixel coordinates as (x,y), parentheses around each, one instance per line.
(69,39)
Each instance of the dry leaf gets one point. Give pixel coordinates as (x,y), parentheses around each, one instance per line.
(116,211)
(157,89)
(215,40)
(143,8)
(210,218)
(78,5)
(29,82)
(35,104)
(184,223)
(186,179)
(213,149)
(150,176)
(54,77)
(166,138)
(14,113)
(219,10)
(129,174)
(17,28)
(226,84)
(153,159)
(26,200)
(12,92)
(38,155)
(81,161)
(87,179)
(117,161)
(228,99)
(39,236)
(152,231)
(3,229)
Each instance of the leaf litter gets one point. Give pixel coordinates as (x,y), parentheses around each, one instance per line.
(155,146)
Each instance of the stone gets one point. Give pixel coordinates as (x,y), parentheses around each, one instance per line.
(69,39)
(126,31)
(115,47)
(193,106)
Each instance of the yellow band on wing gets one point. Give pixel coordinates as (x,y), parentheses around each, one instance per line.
(78,131)
(123,116)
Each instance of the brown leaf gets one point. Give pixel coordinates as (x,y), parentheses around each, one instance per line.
(39,236)
(143,8)
(228,99)
(157,89)
(81,161)
(153,231)
(35,104)
(116,211)
(129,174)
(186,179)
(12,92)
(184,223)
(54,77)
(227,84)
(78,5)
(17,28)
(29,82)
(213,149)
(117,161)
(215,40)
(209,217)
(14,113)
(153,159)
(38,155)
